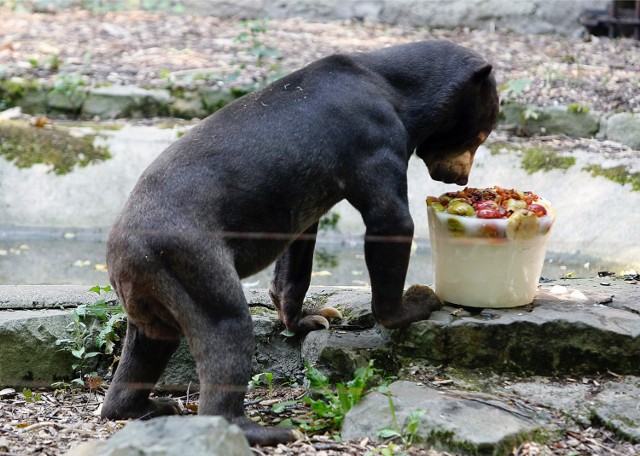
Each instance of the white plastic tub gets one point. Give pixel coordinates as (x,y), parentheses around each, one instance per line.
(478,263)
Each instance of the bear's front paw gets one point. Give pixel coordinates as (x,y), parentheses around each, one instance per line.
(422,295)
(418,302)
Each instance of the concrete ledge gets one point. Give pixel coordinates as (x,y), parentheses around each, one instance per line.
(35,297)
(575,326)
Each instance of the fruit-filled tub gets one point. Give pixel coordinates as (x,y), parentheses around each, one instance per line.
(488,245)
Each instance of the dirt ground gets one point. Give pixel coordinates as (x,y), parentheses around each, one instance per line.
(153,50)
(52,423)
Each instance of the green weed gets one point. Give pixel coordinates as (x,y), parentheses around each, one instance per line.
(263,378)
(330,405)
(252,36)
(405,433)
(67,84)
(577,108)
(92,333)
(514,87)
(30,396)
(26,145)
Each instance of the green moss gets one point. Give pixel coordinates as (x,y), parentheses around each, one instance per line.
(540,158)
(318,301)
(262,311)
(578,108)
(96,126)
(25,146)
(498,147)
(12,90)
(610,424)
(618,174)
(325,259)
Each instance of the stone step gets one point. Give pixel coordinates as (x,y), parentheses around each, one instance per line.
(575,326)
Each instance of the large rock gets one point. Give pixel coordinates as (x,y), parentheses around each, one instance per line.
(553,120)
(613,403)
(339,353)
(274,353)
(566,330)
(117,101)
(28,352)
(453,421)
(66,101)
(569,398)
(33,100)
(32,297)
(171,436)
(617,407)
(624,128)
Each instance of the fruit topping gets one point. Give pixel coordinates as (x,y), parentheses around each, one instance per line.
(489,203)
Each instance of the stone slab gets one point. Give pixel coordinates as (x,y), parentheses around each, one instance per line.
(624,127)
(612,403)
(169,436)
(451,421)
(35,297)
(617,406)
(575,326)
(570,328)
(112,102)
(29,356)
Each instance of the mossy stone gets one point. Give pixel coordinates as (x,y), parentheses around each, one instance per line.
(624,128)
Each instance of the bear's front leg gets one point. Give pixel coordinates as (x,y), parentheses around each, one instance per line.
(291,279)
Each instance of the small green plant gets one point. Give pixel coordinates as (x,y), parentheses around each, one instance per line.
(252,36)
(84,344)
(330,405)
(514,87)
(77,345)
(406,433)
(577,108)
(33,61)
(30,396)
(67,84)
(263,378)
(529,113)
(53,62)
(329,222)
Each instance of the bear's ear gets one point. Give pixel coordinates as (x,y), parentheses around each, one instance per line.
(482,72)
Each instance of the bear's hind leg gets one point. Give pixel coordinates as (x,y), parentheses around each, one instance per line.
(217,325)
(141,364)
